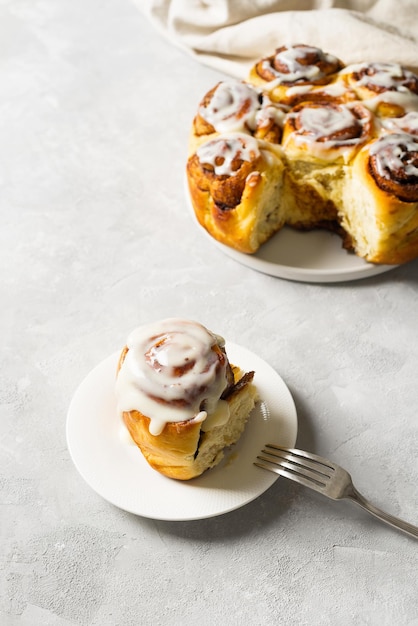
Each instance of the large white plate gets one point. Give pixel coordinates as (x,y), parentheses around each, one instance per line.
(114,467)
(315,257)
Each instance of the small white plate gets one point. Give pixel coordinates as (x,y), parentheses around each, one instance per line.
(316,256)
(114,467)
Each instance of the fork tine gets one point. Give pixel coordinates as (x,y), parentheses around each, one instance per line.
(307,459)
(294,472)
(291,474)
(297,465)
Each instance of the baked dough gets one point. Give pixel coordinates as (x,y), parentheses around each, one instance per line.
(294,145)
(181,400)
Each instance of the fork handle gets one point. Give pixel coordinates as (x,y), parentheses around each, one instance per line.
(407,528)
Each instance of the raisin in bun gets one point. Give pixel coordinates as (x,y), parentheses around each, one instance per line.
(181,400)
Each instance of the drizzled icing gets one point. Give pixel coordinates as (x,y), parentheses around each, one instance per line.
(221,152)
(334,90)
(232,104)
(384,76)
(236,107)
(395,152)
(296,71)
(171,373)
(329,127)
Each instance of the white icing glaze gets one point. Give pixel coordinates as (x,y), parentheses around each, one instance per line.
(319,122)
(228,147)
(391,154)
(232,104)
(149,380)
(267,113)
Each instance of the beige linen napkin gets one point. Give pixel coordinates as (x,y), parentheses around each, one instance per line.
(230,35)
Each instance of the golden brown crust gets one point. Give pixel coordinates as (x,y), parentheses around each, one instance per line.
(225,190)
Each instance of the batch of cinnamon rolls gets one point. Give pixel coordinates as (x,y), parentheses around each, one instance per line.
(308,142)
(304,142)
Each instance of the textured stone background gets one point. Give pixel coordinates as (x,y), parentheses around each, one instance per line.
(96,239)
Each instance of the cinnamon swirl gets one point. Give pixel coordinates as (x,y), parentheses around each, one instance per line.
(180,399)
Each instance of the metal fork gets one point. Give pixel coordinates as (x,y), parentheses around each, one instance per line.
(324,476)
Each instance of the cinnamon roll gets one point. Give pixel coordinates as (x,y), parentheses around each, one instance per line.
(327,131)
(381,199)
(235,182)
(181,400)
(389,89)
(319,140)
(236,106)
(294,66)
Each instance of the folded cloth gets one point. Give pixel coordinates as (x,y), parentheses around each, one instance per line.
(231,36)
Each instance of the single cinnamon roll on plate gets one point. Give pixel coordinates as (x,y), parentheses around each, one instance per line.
(381,199)
(181,400)
(235,186)
(291,67)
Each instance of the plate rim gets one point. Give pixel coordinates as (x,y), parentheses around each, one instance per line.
(265,480)
(305,274)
